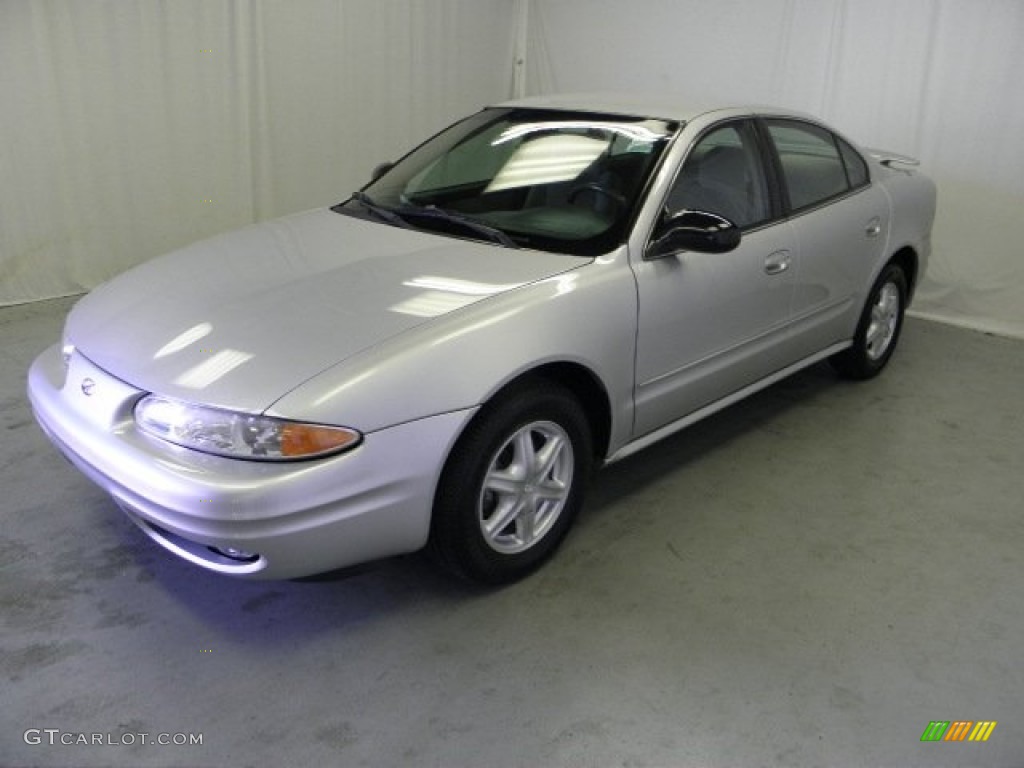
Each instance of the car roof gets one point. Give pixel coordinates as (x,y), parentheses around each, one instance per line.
(662,106)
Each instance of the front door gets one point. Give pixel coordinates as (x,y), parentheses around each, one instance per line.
(710,324)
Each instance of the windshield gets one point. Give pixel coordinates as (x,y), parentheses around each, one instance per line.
(553,180)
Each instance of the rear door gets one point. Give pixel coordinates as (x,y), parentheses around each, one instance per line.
(840,223)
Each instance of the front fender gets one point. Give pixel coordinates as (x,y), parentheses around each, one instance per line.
(585,316)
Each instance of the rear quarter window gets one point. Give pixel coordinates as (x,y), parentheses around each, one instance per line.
(856,168)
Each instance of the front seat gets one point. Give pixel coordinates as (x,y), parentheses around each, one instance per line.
(719,184)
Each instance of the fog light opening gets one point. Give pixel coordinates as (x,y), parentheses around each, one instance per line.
(233,553)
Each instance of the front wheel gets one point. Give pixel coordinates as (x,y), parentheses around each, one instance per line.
(878,329)
(512,486)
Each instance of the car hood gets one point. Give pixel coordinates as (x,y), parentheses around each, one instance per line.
(239,320)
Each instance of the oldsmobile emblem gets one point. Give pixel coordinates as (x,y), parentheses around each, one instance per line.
(88,385)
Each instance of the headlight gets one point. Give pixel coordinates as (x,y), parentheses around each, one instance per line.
(239,435)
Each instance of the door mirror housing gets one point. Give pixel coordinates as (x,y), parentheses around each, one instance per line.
(693,231)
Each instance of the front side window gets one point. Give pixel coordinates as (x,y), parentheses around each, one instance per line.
(723,175)
(554,180)
(812,167)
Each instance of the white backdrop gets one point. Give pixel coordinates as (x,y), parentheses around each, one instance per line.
(942,80)
(128,128)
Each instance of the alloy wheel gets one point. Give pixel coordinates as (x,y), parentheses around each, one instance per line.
(526,486)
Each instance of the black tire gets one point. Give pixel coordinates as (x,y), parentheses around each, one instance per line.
(879,328)
(522,464)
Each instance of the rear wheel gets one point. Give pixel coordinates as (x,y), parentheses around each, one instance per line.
(512,486)
(878,329)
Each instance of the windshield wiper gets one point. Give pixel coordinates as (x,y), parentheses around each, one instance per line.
(381,211)
(433,212)
(398,218)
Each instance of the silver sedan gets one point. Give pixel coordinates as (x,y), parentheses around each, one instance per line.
(442,359)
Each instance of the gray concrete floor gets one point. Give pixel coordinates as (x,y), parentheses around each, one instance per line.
(806,579)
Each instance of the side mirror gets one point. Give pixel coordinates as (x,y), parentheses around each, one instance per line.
(380,170)
(693,231)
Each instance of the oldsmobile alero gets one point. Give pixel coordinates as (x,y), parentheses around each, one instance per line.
(442,359)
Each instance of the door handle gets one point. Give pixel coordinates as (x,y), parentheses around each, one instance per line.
(777,263)
(874,227)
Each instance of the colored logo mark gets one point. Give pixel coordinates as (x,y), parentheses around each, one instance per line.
(959,730)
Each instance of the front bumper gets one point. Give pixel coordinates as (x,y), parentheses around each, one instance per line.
(296,518)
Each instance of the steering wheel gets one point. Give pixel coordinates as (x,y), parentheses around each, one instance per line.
(615,197)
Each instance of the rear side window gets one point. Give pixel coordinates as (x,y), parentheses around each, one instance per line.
(812,166)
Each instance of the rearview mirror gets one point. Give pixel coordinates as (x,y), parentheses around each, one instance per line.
(693,231)
(380,170)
